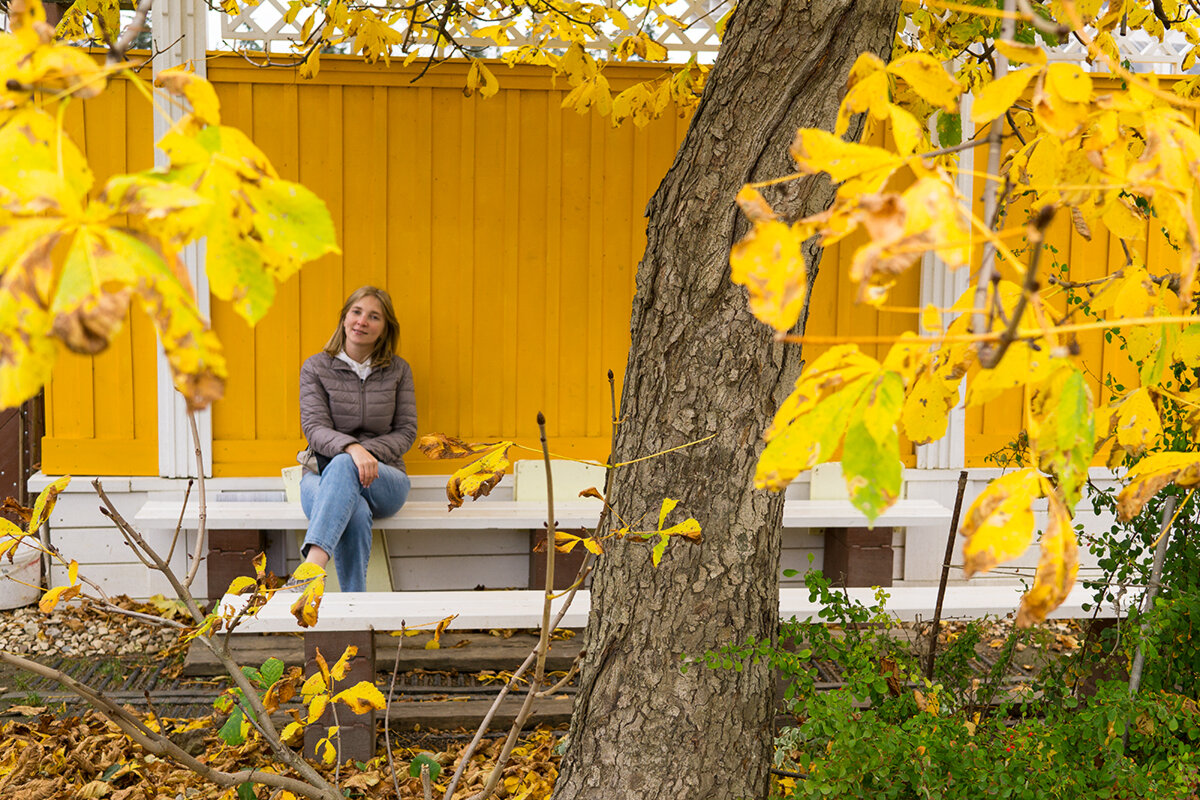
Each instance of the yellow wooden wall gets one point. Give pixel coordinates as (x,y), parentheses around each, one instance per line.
(507,231)
(102,412)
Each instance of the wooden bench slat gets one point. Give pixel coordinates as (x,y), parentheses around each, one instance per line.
(523,608)
(516,515)
(420,515)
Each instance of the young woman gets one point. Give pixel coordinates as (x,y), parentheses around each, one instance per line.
(359,415)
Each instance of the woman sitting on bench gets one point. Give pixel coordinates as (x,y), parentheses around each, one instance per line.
(359,415)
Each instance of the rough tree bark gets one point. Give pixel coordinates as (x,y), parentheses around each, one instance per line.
(699,364)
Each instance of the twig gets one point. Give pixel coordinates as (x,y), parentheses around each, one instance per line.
(544,640)
(566,679)
(181,591)
(157,743)
(387,711)
(1156,568)
(995,140)
(989,356)
(1041,23)
(426,784)
(202,525)
(941,595)
(116,53)
(187,493)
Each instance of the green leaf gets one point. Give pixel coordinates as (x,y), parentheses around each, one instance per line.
(949,129)
(660,547)
(254,676)
(414,766)
(873,470)
(245,791)
(260,228)
(272,670)
(231,731)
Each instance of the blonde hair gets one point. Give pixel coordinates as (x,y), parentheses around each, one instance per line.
(385,347)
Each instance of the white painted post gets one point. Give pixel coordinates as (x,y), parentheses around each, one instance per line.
(940,287)
(180,37)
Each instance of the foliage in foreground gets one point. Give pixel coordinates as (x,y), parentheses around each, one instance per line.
(971,731)
(87,757)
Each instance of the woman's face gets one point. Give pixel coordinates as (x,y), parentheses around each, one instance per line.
(363,325)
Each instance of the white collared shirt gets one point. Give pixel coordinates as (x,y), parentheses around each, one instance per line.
(361,370)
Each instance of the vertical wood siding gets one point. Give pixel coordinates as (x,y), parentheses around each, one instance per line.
(507,231)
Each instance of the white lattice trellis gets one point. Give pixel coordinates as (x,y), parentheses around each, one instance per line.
(684,27)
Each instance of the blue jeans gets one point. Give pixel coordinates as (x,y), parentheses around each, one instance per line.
(340,512)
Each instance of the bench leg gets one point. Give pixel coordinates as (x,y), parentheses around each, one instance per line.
(357,732)
(858,556)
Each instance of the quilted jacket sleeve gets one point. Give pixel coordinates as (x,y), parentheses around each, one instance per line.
(316,419)
(390,447)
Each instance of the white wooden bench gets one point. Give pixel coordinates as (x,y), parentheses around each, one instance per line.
(497,515)
(512,514)
(485,610)
(417,515)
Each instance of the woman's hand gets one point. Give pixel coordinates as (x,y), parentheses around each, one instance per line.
(368,465)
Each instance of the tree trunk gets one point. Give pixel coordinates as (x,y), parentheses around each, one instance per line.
(699,364)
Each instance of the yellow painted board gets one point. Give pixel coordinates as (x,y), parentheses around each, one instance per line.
(488,203)
(409,191)
(99,456)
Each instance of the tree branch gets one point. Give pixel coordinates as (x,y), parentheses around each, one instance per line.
(989,357)
(158,744)
(202,526)
(116,52)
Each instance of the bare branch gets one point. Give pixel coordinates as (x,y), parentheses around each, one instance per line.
(158,744)
(989,357)
(202,528)
(116,51)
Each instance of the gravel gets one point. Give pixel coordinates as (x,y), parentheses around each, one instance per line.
(72,632)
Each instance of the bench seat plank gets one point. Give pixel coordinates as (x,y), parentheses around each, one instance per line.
(417,515)
(523,608)
(515,515)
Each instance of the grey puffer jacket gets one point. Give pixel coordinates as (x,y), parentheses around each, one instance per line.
(338,410)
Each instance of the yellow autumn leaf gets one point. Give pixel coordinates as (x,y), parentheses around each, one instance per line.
(869,90)
(361,697)
(1069,82)
(10,528)
(307,571)
(1021,53)
(815,150)
(478,478)
(999,525)
(928,78)
(326,752)
(292,733)
(317,707)
(206,109)
(308,604)
(1151,474)
(241,584)
(769,262)
(906,130)
(1057,567)
(1138,424)
(313,685)
(342,666)
(59,593)
(73,572)
(999,96)
(45,503)
(480,79)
